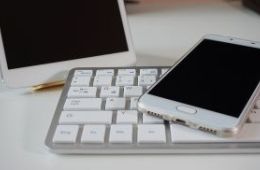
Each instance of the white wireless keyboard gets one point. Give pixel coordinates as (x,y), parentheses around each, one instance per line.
(97,114)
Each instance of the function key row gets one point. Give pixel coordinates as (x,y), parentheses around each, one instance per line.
(108,80)
(112,72)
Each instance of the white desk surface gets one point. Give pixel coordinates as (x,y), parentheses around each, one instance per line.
(162,31)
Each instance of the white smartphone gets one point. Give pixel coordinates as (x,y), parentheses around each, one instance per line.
(212,88)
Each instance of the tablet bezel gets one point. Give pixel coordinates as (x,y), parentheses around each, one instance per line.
(57,71)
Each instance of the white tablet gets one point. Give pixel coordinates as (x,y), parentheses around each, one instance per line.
(41,41)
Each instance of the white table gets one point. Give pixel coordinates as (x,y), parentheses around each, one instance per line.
(162,31)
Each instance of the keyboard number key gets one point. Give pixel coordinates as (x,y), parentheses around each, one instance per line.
(130,72)
(80,81)
(150,71)
(105,72)
(83,73)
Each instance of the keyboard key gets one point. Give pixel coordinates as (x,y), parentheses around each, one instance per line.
(132,91)
(83,73)
(82,92)
(115,103)
(151,134)
(149,71)
(121,134)
(146,80)
(127,116)
(102,81)
(93,134)
(84,117)
(183,134)
(83,104)
(164,70)
(124,80)
(109,91)
(257,104)
(147,119)
(105,72)
(66,134)
(130,72)
(254,116)
(133,102)
(80,81)
(147,87)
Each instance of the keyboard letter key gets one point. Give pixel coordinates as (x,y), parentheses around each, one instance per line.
(102,81)
(133,91)
(127,116)
(124,80)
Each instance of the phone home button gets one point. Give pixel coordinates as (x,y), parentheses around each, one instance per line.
(186,109)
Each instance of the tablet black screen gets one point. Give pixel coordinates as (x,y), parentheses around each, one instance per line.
(46,31)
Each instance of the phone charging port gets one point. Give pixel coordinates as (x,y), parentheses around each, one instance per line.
(179,121)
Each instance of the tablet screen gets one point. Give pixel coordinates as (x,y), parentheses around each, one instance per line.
(47,31)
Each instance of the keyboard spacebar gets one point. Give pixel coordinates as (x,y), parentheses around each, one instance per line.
(83,117)
(83,104)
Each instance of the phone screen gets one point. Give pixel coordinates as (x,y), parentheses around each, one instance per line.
(217,76)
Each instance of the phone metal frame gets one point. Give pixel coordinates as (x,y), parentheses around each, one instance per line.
(223,125)
(57,71)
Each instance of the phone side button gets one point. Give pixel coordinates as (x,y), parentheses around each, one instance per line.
(186,109)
